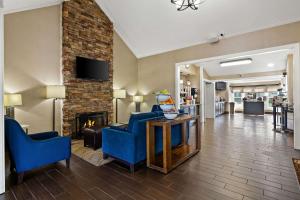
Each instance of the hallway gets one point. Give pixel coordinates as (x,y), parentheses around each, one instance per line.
(241,158)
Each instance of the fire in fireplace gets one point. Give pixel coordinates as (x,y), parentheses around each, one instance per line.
(89,124)
(90,120)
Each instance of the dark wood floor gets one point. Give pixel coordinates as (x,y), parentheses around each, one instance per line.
(241,158)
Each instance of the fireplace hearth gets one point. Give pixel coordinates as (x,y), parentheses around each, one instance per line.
(89,122)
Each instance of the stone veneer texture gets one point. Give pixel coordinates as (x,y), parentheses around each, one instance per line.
(87,32)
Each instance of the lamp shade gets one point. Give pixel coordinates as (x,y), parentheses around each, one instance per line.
(12,100)
(120,94)
(138,99)
(55,91)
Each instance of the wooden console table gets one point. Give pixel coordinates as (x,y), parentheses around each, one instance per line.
(171,158)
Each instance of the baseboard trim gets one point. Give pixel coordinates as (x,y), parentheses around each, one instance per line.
(2,190)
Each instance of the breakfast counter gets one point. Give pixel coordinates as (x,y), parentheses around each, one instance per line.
(254,107)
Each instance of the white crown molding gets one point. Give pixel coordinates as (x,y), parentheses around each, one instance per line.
(31,6)
(117,27)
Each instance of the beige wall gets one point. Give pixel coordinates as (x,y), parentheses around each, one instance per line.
(125,77)
(157,72)
(205,75)
(32,60)
(223,93)
(39,66)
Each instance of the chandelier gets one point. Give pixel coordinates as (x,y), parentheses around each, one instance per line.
(185,4)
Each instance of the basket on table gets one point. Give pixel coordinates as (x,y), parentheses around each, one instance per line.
(167,104)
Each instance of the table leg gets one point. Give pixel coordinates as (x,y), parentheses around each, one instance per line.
(150,144)
(183,133)
(167,152)
(274,118)
(198,134)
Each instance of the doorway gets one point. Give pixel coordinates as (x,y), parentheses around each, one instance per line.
(257,92)
(209,99)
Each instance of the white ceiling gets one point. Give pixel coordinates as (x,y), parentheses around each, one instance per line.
(154,26)
(259,64)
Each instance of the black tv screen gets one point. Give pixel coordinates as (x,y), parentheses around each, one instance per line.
(92,69)
(220,85)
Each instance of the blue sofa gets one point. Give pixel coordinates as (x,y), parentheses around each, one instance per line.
(28,152)
(129,144)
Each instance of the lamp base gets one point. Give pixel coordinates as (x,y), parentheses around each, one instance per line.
(137,107)
(10,112)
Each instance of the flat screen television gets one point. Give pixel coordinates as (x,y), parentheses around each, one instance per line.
(220,85)
(92,69)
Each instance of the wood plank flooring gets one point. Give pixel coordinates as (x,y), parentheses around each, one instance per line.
(241,158)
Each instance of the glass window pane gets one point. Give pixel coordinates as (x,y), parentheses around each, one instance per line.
(237,94)
(238,100)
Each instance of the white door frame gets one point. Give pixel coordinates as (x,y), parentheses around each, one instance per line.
(2,149)
(295,47)
(204,104)
(296,93)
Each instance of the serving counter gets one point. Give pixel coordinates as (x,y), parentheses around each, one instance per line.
(254,107)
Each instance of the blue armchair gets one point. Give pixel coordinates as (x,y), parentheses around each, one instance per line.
(129,145)
(28,152)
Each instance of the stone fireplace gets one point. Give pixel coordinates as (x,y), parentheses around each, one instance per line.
(87,32)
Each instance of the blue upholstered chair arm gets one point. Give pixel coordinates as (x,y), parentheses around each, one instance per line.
(58,140)
(37,153)
(117,143)
(43,136)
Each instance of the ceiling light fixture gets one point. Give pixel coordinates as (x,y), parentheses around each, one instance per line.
(230,63)
(271,65)
(185,4)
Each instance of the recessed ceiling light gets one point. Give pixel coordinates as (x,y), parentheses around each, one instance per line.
(271,65)
(245,61)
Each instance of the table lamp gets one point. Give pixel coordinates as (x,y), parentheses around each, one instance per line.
(119,94)
(138,100)
(55,92)
(10,101)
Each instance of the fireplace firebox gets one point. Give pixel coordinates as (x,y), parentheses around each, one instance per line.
(89,121)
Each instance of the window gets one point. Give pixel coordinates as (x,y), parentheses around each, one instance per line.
(267,97)
(238,97)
